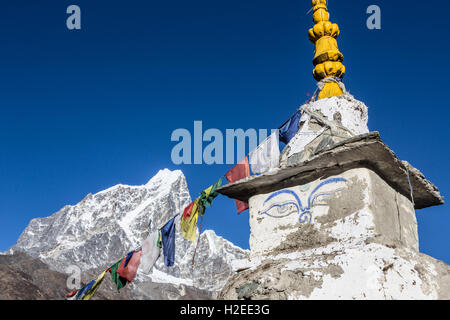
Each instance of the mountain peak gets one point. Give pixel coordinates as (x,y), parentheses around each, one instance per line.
(166,176)
(103,227)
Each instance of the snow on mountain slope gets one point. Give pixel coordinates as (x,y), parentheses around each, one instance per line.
(105,226)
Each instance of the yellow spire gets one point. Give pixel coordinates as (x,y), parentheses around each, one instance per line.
(328,59)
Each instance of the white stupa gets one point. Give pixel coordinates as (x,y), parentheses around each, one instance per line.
(337,219)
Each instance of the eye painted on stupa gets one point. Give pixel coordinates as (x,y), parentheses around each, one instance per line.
(281,204)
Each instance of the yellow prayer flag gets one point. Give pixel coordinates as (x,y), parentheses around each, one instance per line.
(88,295)
(189,226)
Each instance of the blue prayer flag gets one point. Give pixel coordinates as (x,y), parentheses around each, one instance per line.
(168,241)
(81,293)
(127,259)
(289,130)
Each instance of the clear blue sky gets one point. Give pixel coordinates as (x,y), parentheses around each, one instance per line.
(81,111)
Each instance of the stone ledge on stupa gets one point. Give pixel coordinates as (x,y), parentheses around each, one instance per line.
(362,151)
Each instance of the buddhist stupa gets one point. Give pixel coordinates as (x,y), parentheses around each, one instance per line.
(337,218)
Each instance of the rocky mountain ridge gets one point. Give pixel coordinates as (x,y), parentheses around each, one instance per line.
(103,227)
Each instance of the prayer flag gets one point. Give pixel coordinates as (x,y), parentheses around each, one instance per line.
(266,156)
(188,211)
(83,290)
(239,172)
(116,278)
(168,240)
(72,294)
(290,129)
(128,268)
(150,252)
(91,291)
(159,243)
(188,223)
(208,195)
(127,258)
(241,206)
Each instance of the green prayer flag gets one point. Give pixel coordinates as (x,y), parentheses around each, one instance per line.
(159,241)
(116,278)
(207,196)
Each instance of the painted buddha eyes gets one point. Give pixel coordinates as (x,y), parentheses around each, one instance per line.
(281,210)
(285,208)
(283,203)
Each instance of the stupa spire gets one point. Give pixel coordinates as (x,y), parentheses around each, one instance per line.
(329,69)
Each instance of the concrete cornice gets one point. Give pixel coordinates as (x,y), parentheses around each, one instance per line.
(367,151)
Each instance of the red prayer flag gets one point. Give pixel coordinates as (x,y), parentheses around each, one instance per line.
(241,206)
(187,211)
(71,294)
(129,272)
(240,171)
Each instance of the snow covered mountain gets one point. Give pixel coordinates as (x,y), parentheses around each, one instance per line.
(103,227)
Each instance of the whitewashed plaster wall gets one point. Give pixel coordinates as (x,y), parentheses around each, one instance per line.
(344,110)
(356,204)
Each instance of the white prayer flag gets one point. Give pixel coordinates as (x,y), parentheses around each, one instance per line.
(150,252)
(266,156)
